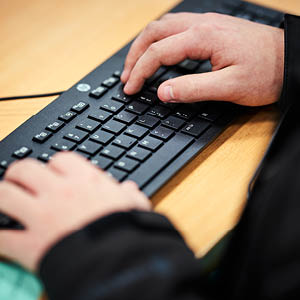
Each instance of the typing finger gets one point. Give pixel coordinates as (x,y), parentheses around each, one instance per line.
(73,165)
(17,203)
(168,51)
(32,176)
(155,31)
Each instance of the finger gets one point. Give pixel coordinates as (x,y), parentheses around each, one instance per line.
(71,164)
(130,184)
(168,51)
(141,201)
(31,175)
(155,31)
(17,203)
(218,85)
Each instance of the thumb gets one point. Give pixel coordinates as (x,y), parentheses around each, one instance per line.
(218,85)
(141,201)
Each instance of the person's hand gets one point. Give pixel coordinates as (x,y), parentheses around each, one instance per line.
(56,199)
(247,59)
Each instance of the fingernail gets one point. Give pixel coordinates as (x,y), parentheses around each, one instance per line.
(126,88)
(168,93)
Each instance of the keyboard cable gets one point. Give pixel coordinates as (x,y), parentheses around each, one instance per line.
(30,96)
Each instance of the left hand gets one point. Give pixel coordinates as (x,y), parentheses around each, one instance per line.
(54,200)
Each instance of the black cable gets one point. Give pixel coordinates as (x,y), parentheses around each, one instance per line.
(30,96)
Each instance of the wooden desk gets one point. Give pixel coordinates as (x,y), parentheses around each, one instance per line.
(49,45)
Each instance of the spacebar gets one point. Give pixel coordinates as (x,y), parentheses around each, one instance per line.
(160,159)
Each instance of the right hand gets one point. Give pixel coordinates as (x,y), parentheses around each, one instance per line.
(247,59)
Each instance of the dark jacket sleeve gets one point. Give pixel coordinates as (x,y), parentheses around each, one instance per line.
(263,259)
(291,88)
(135,255)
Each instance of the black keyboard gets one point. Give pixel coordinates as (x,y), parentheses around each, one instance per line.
(131,137)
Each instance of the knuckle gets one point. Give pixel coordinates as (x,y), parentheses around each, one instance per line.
(153,48)
(151,26)
(19,167)
(60,157)
(167,16)
(211,15)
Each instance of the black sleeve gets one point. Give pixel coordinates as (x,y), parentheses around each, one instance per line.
(263,258)
(291,88)
(135,255)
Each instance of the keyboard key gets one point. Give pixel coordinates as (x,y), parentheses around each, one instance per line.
(89,147)
(148,98)
(5,222)
(126,164)
(173,122)
(55,126)
(185,112)
(139,154)
(124,141)
(162,133)
(22,152)
(88,125)
(2,171)
(136,131)
(102,137)
(100,116)
(148,121)
(110,82)
(83,154)
(137,107)
(76,135)
(150,143)
(159,111)
(4,164)
(114,127)
(161,159)
(120,96)
(113,152)
(205,67)
(196,127)
(98,92)
(102,162)
(80,107)
(117,174)
(210,114)
(161,71)
(117,74)
(125,117)
(68,116)
(63,145)
(189,65)
(46,156)
(42,137)
(111,105)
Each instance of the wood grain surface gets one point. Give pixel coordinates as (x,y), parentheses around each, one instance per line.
(47,46)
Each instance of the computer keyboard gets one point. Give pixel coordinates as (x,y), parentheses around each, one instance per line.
(136,137)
